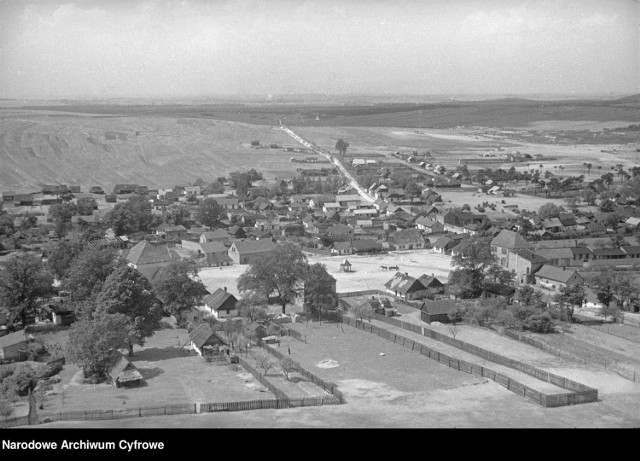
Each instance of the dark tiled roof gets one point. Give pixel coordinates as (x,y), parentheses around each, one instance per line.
(510,240)
(439,306)
(146,253)
(216,299)
(200,335)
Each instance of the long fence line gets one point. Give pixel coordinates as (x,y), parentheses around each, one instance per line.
(623,372)
(184,409)
(545,400)
(325,385)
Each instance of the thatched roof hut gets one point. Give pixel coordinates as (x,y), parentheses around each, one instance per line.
(123,373)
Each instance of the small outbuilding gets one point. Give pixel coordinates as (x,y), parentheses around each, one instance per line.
(123,373)
(437,310)
(12,346)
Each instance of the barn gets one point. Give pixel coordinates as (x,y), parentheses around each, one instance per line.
(437,310)
(123,373)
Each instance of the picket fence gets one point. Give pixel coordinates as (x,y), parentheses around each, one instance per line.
(579,392)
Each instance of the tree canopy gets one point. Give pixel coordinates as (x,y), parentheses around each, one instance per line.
(341,146)
(89,270)
(93,342)
(319,289)
(179,288)
(208,212)
(23,281)
(132,216)
(279,272)
(126,291)
(472,262)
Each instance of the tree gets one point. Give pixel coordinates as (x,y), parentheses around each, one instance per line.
(249,306)
(341,146)
(63,212)
(572,296)
(529,297)
(179,288)
(61,256)
(93,341)
(88,272)
(208,212)
(474,259)
(612,285)
(319,289)
(6,409)
(460,284)
(548,211)
(500,275)
(126,291)
(264,361)
(288,366)
(363,310)
(23,281)
(281,272)
(232,330)
(178,214)
(132,216)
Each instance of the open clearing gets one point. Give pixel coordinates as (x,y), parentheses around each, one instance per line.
(366,274)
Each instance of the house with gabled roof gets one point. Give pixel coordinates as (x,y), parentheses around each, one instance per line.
(202,336)
(444,244)
(525,263)
(429,225)
(406,239)
(218,235)
(148,258)
(405,286)
(171,232)
(341,248)
(431,283)
(221,304)
(249,251)
(555,278)
(506,242)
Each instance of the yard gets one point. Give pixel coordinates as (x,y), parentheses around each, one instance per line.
(173,375)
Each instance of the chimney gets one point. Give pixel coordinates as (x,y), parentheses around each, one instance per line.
(225,289)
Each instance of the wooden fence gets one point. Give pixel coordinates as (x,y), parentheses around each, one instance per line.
(579,392)
(325,385)
(621,371)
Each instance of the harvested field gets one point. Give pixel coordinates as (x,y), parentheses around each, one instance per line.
(37,149)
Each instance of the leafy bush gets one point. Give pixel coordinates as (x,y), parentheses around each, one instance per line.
(539,323)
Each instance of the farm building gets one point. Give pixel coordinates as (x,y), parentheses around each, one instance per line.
(437,310)
(366,246)
(123,373)
(431,284)
(12,345)
(221,304)
(555,278)
(202,336)
(498,290)
(249,251)
(406,287)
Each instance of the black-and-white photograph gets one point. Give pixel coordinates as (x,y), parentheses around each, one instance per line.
(318,214)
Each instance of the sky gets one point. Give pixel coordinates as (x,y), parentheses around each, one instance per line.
(137,48)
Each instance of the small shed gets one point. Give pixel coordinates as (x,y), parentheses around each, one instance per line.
(345,266)
(13,345)
(437,310)
(123,373)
